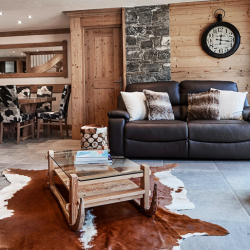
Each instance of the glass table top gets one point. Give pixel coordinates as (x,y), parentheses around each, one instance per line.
(85,172)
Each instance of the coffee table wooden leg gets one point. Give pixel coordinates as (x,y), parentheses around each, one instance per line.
(144,202)
(51,167)
(73,198)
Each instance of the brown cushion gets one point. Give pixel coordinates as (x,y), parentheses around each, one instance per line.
(159,106)
(204,106)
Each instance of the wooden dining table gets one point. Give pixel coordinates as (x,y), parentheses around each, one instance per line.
(29,105)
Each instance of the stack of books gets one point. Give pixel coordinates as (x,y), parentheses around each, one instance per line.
(93,156)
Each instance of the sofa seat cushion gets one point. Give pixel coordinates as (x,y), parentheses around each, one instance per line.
(222,131)
(156,131)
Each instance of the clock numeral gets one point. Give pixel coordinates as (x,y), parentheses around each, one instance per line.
(214,31)
(221,50)
(220,29)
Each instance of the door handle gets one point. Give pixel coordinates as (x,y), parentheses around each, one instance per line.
(120,80)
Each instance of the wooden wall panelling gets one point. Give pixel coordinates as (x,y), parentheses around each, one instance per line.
(188,61)
(77,77)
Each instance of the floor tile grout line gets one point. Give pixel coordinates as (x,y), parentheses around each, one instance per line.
(233,192)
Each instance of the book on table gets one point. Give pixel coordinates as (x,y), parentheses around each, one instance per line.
(93,157)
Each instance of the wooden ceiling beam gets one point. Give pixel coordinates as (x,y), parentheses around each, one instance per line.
(35,32)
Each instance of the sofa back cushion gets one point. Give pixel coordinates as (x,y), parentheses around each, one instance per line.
(171,87)
(198,86)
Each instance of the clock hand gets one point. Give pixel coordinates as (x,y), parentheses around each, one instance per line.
(223,40)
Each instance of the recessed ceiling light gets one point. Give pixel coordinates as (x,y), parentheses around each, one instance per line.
(29,16)
(1,13)
(14,51)
(22,54)
(19,22)
(37,50)
(53,49)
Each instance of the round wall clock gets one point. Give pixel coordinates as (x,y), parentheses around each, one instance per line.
(221,39)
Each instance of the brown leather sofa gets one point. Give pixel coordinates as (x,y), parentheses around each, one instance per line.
(198,139)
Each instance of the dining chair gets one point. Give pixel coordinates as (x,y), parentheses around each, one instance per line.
(44,91)
(23,92)
(56,117)
(10,113)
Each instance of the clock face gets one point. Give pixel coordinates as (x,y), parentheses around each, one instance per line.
(220,40)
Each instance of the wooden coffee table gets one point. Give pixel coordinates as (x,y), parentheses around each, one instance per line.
(97,184)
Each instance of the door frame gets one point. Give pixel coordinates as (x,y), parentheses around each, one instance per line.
(79,22)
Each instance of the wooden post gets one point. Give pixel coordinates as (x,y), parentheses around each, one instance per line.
(28,63)
(51,167)
(73,198)
(18,132)
(144,202)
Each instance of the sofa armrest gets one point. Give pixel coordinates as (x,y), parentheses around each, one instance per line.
(246,113)
(119,113)
(116,135)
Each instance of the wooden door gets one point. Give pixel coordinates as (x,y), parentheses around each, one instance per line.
(103,72)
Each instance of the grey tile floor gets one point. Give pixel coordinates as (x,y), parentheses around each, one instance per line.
(220,190)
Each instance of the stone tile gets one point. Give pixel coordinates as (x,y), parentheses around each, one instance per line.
(192,165)
(30,166)
(13,157)
(201,180)
(233,165)
(238,239)
(151,163)
(244,198)
(34,159)
(238,180)
(216,205)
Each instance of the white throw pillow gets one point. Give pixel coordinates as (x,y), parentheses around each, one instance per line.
(136,106)
(231,104)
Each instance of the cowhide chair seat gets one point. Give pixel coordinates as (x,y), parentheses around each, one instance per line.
(56,117)
(10,113)
(49,115)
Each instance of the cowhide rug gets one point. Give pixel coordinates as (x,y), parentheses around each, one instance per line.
(31,219)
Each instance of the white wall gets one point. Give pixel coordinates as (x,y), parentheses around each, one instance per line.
(41,80)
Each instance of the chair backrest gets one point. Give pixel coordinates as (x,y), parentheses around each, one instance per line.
(23,92)
(63,109)
(45,91)
(9,108)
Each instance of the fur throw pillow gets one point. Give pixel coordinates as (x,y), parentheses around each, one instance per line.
(159,106)
(204,106)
